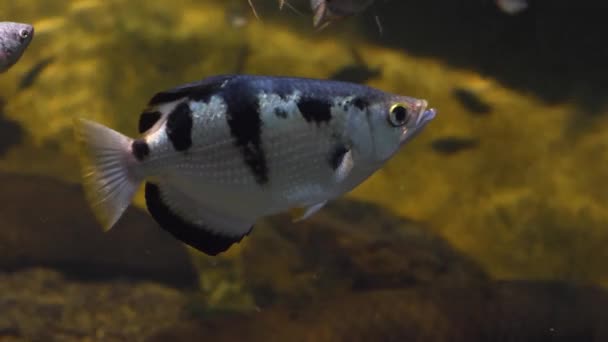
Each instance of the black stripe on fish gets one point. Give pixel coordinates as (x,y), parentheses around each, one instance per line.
(140,149)
(147,120)
(196,91)
(336,156)
(243,118)
(196,236)
(360,103)
(179,127)
(316,110)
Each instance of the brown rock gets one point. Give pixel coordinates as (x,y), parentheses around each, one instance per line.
(42,305)
(48,223)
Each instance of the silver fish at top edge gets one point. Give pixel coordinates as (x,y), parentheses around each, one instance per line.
(14,39)
(219,154)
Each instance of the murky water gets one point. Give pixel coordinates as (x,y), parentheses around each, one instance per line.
(491,225)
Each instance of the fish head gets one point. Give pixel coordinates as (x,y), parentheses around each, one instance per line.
(394,121)
(14,39)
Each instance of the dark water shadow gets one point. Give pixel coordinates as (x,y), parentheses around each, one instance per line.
(47,223)
(555,49)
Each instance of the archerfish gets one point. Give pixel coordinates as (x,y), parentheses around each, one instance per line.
(218,154)
(14,39)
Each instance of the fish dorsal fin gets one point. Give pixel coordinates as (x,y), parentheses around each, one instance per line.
(208,231)
(300,214)
(147,119)
(160,103)
(199,91)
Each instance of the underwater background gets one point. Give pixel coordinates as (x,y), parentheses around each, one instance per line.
(491,225)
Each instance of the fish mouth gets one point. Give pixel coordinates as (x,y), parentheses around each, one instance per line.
(425,115)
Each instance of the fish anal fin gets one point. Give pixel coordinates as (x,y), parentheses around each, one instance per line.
(207,231)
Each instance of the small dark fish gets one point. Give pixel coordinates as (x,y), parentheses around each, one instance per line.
(14,39)
(452,145)
(327,11)
(356,73)
(31,76)
(11,132)
(471,101)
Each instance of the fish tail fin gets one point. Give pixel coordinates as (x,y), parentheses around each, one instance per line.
(108,168)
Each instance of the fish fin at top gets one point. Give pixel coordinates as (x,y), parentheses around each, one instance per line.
(198,90)
(208,231)
(300,214)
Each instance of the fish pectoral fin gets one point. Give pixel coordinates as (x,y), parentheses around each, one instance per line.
(343,162)
(299,214)
(209,231)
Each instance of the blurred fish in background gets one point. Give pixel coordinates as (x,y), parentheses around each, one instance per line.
(512,7)
(14,39)
(357,72)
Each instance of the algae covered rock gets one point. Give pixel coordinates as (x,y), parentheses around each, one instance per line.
(348,246)
(42,305)
(496,311)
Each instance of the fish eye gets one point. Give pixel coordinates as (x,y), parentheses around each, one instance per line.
(24,34)
(398,115)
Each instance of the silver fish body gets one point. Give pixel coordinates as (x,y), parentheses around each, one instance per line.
(14,40)
(219,154)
